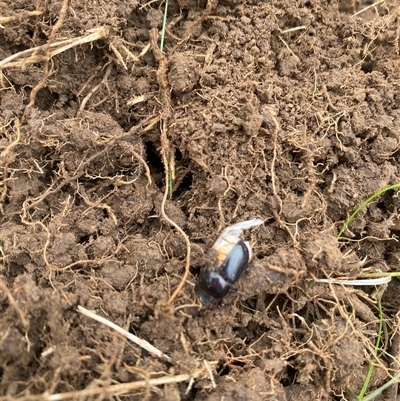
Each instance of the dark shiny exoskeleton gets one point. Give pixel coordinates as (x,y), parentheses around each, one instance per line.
(216,284)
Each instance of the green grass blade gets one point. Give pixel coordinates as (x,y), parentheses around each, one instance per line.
(382,388)
(377,344)
(164,26)
(365,203)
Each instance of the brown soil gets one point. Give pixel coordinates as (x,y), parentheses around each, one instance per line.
(281,110)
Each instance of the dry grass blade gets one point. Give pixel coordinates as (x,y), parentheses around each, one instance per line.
(36,55)
(113,390)
(142,343)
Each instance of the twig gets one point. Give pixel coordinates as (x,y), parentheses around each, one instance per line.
(138,341)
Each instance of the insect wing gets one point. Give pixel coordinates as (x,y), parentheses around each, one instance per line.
(231,236)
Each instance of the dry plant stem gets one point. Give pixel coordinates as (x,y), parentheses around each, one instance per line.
(166,152)
(35,55)
(116,389)
(52,38)
(19,17)
(138,341)
(145,374)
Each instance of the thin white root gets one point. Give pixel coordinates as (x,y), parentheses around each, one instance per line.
(359,282)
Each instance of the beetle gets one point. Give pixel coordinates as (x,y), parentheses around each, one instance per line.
(229,258)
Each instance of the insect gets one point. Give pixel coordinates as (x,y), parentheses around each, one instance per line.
(229,258)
